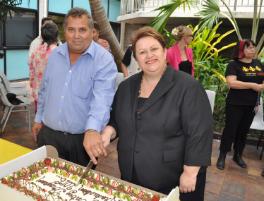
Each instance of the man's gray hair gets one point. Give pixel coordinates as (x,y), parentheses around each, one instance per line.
(78,12)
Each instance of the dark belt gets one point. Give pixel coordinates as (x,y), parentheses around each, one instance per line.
(62,132)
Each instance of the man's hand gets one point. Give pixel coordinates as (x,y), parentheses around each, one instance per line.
(93,145)
(188,179)
(35,130)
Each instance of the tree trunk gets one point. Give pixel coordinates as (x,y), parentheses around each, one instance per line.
(99,15)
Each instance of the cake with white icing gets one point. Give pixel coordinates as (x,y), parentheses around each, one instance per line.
(52,179)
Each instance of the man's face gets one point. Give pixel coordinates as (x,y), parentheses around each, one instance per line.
(78,34)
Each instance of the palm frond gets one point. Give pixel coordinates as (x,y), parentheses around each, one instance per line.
(256,19)
(260,44)
(166,11)
(209,13)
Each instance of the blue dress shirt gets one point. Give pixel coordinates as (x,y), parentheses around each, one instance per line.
(77,97)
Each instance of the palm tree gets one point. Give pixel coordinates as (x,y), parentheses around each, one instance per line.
(99,15)
(210,14)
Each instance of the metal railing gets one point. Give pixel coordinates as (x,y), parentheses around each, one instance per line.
(134,6)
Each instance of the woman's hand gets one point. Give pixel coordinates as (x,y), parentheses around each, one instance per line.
(258,87)
(256,108)
(188,179)
(107,134)
(233,83)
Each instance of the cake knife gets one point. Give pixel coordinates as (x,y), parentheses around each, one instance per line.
(88,167)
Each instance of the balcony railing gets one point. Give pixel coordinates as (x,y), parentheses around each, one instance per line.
(134,6)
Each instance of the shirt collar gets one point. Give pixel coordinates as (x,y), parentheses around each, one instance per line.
(90,50)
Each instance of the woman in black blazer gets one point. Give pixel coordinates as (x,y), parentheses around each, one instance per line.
(164,123)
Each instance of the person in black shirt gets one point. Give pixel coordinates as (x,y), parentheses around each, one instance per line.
(129,65)
(244,76)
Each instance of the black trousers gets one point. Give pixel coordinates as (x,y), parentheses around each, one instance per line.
(69,146)
(237,124)
(197,195)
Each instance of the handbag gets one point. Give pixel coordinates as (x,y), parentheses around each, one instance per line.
(13,99)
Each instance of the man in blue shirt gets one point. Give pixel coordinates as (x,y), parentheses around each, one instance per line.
(76,93)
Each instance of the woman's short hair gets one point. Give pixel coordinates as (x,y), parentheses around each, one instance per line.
(46,19)
(49,33)
(179,31)
(240,46)
(146,32)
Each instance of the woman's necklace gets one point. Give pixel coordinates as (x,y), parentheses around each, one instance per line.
(146,87)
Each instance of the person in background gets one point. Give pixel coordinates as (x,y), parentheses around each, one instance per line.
(244,76)
(96,37)
(164,137)
(39,58)
(262,174)
(38,40)
(180,56)
(129,65)
(76,92)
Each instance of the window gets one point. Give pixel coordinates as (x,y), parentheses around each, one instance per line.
(20,29)
(59,19)
(1,35)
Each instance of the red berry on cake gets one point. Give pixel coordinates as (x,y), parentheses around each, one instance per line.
(47,161)
(4,181)
(155,198)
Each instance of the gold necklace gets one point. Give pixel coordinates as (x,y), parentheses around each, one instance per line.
(141,82)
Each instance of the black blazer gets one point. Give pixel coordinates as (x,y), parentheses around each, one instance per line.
(173,128)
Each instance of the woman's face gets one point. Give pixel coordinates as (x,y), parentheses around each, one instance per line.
(188,36)
(150,55)
(250,51)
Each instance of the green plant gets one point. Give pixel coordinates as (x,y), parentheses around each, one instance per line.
(208,62)
(210,66)
(211,13)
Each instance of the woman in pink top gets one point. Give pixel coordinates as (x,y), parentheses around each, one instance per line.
(39,58)
(180,56)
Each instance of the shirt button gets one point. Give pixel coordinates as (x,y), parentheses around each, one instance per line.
(66,84)
(70,71)
(62,97)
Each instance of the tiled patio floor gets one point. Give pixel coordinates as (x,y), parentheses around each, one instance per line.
(232,184)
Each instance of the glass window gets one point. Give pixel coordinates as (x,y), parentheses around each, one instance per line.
(1,35)
(59,19)
(33,4)
(116,28)
(20,29)
(59,6)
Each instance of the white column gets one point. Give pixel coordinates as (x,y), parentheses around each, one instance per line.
(43,11)
(122,34)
